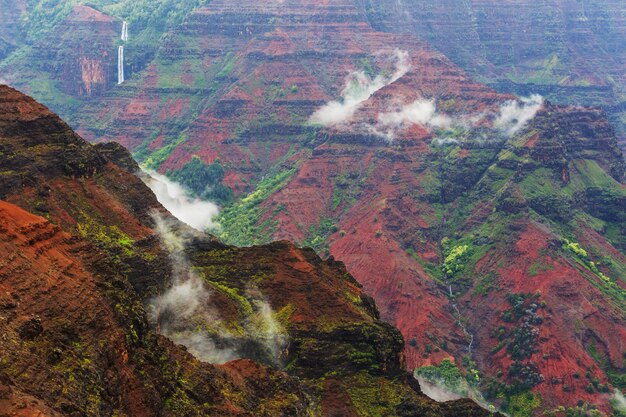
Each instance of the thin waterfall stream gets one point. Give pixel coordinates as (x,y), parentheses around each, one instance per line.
(120,54)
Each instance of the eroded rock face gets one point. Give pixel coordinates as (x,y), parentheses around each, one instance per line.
(76,335)
(384,209)
(84,49)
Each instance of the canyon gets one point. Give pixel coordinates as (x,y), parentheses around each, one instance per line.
(83,259)
(493,243)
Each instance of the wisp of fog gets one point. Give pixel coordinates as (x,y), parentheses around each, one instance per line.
(197,213)
(187,301)
(184,312)
(515,114)
(359,87)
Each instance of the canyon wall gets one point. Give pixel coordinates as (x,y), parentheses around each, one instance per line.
(571,52)
(465,212)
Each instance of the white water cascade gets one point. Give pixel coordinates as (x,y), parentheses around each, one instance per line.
(120,54)
(125,31)
(120,64)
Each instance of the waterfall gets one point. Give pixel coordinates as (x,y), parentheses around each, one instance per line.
(120,64)
(120,54)
(125,31)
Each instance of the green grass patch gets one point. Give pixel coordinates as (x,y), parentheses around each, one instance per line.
(239,221)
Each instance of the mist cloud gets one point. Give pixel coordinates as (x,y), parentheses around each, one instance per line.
(359,87)
(618,401)
(436,392)
(422,112)
(183,312)
(515,114)
(444,141)
(436,389)
(510,118)
(263,324)
(176,199)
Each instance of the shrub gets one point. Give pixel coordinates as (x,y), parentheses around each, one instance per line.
(454,260)
(205,181)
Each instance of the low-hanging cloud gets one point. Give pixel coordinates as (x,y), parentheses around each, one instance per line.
(423,112)
(444,141)
(515,114)
(197,213)
(510,118)
(618,401)
(184,312)
(359,87)
(436,392)
(266,328)
(177,312)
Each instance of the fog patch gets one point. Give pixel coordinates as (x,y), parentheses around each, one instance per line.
(445,141)
(618,402)
(515,114)
(450,388)
(182,312)
(419,112)
(422,112)
(197,213)
(359,87)
(266,328)
(185,314)
(436,391)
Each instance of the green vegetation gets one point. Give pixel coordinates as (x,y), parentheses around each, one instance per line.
(228,65)
(240,221)
(159,156)
(619,408)
(522,404)
(521,340)
(46,14)
(538,267)
(346,185)
(109,238)
(318,237)
(604,283)
(455,257)
(205,181)
(581,410)
(446,375)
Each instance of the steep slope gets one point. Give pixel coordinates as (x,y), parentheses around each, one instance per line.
(481,239)
(65,53)
(78,291)
(76,340)
(379,208)
(256,101)
(555,310)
